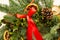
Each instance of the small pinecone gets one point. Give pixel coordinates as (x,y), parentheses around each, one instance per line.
(47,13)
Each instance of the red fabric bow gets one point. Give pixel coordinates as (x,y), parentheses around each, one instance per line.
(31,25)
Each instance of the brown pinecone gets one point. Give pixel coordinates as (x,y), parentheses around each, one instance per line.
(47,13)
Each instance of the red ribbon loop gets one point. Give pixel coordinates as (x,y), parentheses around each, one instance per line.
(31,25)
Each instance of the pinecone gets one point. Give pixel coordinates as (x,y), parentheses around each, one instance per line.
(47,13)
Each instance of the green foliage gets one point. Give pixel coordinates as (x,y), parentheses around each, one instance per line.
(10,19)
(4,8)
(16,7)
(53,35)
(47,3)
(2,30)
(17,27)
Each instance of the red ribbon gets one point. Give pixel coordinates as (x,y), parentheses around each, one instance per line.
(32,28)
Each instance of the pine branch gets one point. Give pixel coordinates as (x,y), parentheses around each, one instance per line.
(48,36)
(16,8)
(10,19)
(4,8)
(47,3)
(54,29)
(53,33)
(2,32)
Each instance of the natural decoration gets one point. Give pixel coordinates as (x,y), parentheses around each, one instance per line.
(47,13)
(31,25)
(43,19)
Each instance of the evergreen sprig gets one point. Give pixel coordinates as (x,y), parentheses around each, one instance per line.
(17,27)
(4,8)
